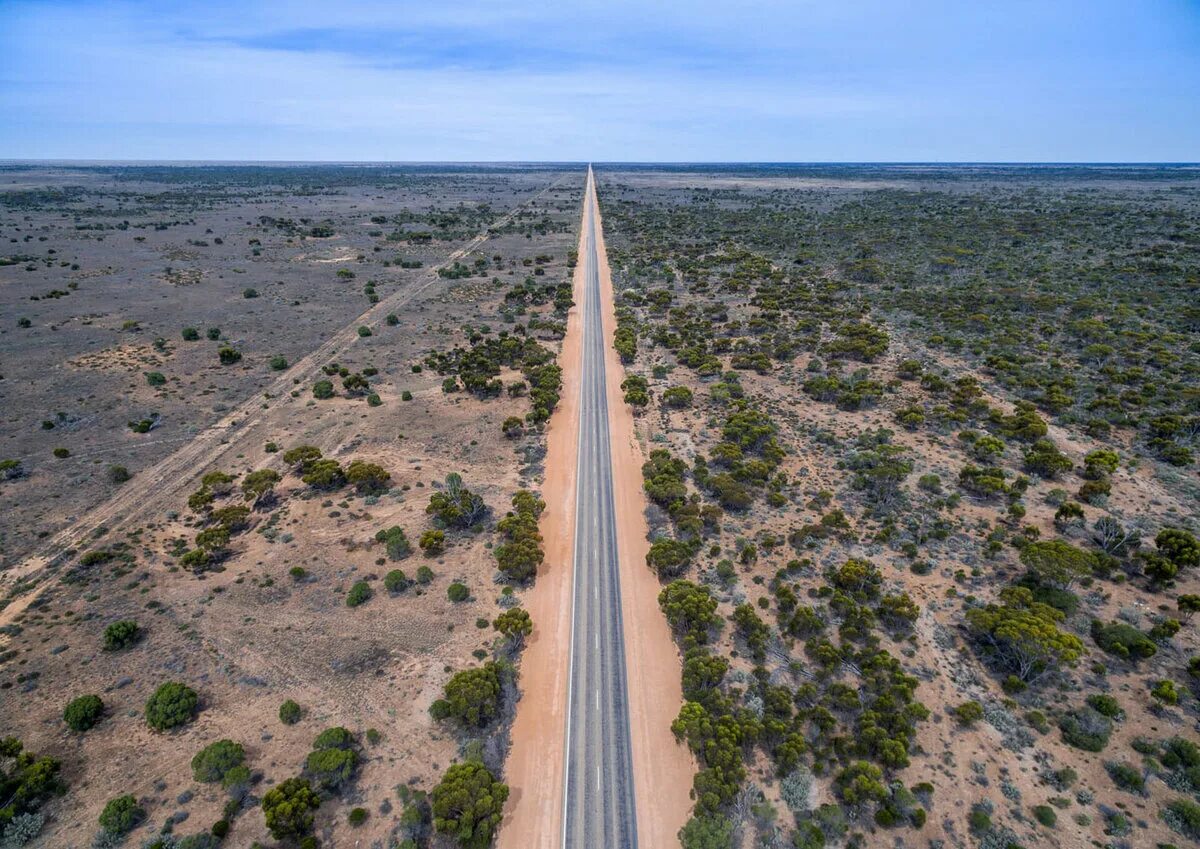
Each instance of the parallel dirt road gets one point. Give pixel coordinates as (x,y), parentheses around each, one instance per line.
(594,763)
(164,482)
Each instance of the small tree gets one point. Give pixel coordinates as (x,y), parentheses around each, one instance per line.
(471,697)
(359,593)
(259,486)
(514,624)
(289,712)
(396,542)
(288,808)
(121,635)
(1057,563)
(121,815)
(214,761)
(468,804)
(368,478)
(82,713)
(173,704)
(432,542)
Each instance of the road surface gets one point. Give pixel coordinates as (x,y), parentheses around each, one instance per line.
(598,799)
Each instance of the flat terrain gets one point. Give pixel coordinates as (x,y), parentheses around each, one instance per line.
(922,462)
(598,793)
(278,263)
(903,462)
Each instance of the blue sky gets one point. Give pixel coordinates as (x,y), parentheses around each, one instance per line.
(654,80)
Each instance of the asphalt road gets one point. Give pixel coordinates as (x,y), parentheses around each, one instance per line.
(598,801)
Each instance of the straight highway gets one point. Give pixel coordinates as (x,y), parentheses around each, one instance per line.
(598,800)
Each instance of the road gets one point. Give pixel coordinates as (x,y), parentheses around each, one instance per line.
(598,798)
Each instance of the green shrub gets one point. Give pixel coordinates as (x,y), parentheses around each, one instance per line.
(1123,640)
(289,807)
(190,334)
(1126,776)
(968,713)
(289,712)
(322,389)
(228,356)
(359,593)
(1045,815)
(172,705)
(396,581)
(1086,729)
(278,363)
(214,761)
(83,712)
(357,817)
(1106,705)
(1183,816)
(121,635)
(121,815)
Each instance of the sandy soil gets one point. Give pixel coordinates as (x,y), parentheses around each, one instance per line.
(663,768)
(173,475)
(534,771)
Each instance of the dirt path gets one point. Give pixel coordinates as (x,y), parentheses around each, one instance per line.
(662,767)
(164,483)
(534,772)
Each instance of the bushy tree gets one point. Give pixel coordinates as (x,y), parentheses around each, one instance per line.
(332,761)
(1057,563)
(26,780)
(172,704)
(214,761)
(288,808)
(323,474)
(690,609)
(121,635)
(432,542)
(368,478)
(1045,460)
(259,486)
(456,506)
(468,803)
(514,624)
(1022,635)
(669,557)
(710,831)
(471,697)
(83,712)
(121,815)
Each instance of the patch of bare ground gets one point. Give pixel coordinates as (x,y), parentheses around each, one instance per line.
(534,772)
(270,619)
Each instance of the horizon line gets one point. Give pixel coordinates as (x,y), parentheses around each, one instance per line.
(8,162)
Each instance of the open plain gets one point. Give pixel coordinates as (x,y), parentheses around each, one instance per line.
(857,504)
